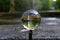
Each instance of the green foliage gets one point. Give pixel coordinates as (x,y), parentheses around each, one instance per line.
(23,5)
(57,4)
(45,5)
(4,5)
(20,5)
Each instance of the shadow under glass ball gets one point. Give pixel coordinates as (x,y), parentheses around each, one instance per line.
(30,20)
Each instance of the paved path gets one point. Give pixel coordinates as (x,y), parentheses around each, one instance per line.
(49,28)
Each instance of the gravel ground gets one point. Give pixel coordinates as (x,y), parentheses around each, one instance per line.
(49,28)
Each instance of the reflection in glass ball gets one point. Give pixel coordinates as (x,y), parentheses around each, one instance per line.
(30,19)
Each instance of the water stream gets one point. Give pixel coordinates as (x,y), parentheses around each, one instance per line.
(32,4)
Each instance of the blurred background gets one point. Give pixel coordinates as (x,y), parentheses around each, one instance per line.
(21,5)
(12,10)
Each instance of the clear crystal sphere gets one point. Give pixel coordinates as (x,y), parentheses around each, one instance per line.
(30,19)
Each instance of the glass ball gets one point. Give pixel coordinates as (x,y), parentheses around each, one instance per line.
(31,19)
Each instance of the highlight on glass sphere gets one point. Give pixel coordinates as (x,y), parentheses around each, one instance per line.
(30,19)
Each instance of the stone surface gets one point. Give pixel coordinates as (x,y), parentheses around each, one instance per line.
(49,28)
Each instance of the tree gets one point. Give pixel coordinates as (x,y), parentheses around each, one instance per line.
(12,6)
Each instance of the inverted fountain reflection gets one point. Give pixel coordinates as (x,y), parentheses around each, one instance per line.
(30,19)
